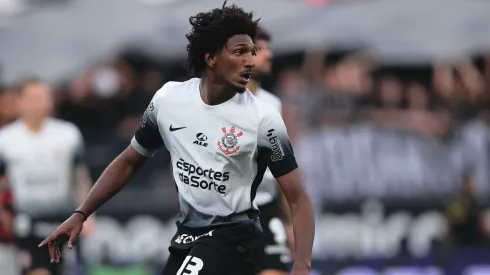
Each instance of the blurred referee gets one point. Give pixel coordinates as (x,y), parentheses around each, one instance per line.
(41,159)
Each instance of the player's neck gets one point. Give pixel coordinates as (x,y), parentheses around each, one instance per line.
(34,124)
(213,92)
(253,86)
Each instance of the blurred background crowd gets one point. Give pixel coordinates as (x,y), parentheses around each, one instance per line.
(395,154)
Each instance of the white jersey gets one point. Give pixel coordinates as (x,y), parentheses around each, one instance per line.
(267,190)
(219,153)
(39,166)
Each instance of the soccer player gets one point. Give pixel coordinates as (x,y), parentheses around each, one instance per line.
(221,140)
(42,160)
(274,211)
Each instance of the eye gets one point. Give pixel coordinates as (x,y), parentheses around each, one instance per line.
(240,52)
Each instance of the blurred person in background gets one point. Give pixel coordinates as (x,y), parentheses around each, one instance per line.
(9,106)
(148,81)
(43,164)
(417,96)
(101,93)
(274,210)
(390,93)
(459,88)
(289,87)
(8,257)
(9,111)
(466,223)
(338,84)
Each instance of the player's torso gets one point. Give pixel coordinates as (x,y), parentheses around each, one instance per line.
(38,163)
(213,149)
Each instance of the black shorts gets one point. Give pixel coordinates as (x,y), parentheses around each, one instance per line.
(274,252)
(231,249)
(29,233)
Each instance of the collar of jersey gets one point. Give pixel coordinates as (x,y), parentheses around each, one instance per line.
(212,107)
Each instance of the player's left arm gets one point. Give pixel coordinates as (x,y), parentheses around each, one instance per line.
(278,153)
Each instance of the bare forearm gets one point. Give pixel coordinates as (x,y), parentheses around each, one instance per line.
(112,180)
(283,204)
(304,229)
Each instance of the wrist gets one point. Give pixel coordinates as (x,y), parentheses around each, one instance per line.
(302,264)
(81,214)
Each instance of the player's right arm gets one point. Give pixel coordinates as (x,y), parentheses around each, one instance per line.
(145,143)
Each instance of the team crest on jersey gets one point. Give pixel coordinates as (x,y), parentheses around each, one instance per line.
(229,141)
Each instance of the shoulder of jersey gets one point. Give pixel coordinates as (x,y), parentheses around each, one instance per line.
(266,109)
(271,99)
(65,127)
(177,88)
(270,95)
(56,122)
(9,128)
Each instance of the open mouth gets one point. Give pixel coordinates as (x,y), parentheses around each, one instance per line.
(246,76)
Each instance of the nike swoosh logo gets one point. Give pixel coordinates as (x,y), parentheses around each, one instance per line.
(175,129)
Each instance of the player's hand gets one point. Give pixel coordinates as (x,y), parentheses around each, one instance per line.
(72,227)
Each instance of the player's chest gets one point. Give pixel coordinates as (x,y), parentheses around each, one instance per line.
(212,134)
(29,151)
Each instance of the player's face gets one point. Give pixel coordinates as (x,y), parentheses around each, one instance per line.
(37,101)
(263,60)
(235,62)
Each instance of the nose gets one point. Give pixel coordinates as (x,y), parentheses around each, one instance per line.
(250,61)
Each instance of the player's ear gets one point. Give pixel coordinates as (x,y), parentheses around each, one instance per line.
(210,59)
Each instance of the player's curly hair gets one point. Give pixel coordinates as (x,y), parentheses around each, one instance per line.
(211,30)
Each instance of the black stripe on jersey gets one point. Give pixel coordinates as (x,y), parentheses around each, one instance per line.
(149,137)
(286,163)
(262,160)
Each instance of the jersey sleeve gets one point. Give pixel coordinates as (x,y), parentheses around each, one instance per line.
(147,139)
(274,142)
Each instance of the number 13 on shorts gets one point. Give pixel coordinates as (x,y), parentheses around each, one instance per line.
(191,266)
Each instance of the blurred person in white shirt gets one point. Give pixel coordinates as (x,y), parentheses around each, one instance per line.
(43,165)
